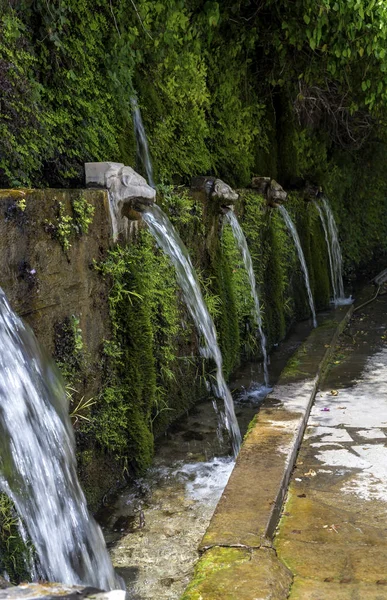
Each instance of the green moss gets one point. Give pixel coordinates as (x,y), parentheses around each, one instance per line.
(251,425)
(148,379)
(210,566)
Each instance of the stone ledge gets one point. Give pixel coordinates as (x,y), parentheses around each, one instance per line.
(239,574)
(249,509)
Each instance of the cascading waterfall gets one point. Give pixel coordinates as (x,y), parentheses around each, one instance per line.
(290,225)
(336,256)
(169,241)
(244,250)
(38,465)
(142,142)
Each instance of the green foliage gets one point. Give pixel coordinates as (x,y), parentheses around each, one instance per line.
(14,554)
(83,214)
(144,376)
(63,228)
(68,225)
(69,350)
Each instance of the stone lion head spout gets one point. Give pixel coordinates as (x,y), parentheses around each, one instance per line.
(214,189)
(223,192)
(128,191)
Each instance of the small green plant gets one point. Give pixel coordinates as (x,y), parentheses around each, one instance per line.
(66,226)
(21,204)
(69,348)
(13,550)
(62,229)
(83,214)
(77,333)
(213,301)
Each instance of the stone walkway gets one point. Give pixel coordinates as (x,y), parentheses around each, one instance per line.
(333,532)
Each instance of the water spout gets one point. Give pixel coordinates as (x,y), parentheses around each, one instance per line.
(168,239)
(334,252)
(291,227)
(38,465)
(142,142)
(244,250)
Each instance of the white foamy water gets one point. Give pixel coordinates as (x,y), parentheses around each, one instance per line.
(38,466)
(160,556)
(334,253)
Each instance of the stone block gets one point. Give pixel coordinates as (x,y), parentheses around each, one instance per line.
(95,173)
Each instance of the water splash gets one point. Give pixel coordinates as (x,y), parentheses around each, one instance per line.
(142,142)
(168,239)
(38,466)
(290,225)
(244,250)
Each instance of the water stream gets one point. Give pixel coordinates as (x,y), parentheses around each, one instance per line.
(336,256)
(328,242)
(168,239)
(244,250)
(293,231)
(142,142)
(38,465)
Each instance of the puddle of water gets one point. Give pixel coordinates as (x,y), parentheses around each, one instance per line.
(154,527)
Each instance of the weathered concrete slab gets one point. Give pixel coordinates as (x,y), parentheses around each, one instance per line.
(249,508)
(309,589)
(239,574)
(333,533)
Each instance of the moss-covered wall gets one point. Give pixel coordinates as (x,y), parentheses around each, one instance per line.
(114,319)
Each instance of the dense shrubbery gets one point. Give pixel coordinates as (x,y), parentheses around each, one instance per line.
(218,84)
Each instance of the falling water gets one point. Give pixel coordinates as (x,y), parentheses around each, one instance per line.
(244,250)
(293,231)
(142,142)
(38,466)
(336,257)
(168,239)
(333,278)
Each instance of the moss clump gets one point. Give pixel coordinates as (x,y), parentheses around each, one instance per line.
(148,380)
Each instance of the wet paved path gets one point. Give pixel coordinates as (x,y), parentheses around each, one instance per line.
(333,533)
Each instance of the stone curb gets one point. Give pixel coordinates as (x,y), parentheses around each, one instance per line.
(249,509)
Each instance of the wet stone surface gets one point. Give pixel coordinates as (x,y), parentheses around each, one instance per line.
(37,591)
(333,533)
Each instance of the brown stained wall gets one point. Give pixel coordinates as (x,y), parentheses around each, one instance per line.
(65,283)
